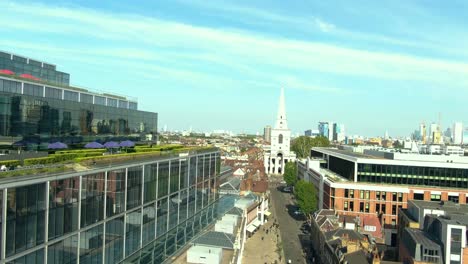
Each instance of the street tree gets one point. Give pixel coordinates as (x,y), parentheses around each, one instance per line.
(306,199)
(290,173)
(302,145)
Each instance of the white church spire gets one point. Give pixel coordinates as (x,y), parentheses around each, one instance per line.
(281,121)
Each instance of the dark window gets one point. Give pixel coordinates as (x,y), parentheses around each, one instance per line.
(351,206)
(115,192)
(346,193)
(133,105)
(400,197)
(394,196)
(384,196)
(86,98)
(418,196)
(280,139)
(377,195)
(361,207)
(70,96)
(25,218)
(63,206)
(394,209)
(92,199)
(453,198)
(123,104)
(384,208)
(53,93)
(111,102)
(99,100)
(34,90)
(377,208)
(134,180)
(10,86)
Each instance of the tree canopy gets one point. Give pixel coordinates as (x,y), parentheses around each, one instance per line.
(306,197)
(302,145)
(290,173)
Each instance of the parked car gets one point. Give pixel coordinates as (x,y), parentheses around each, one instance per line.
(287,189)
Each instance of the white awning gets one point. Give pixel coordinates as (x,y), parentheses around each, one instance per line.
(251,228)
(256,222)
(267,213)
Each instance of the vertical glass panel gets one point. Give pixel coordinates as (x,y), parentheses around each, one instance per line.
(63,206)
(161,225)
(114,240)
(92,199)
(63,252)
(53,93)
(111,102)
(174,180)
(193,171)
(34,90)
(173,210)
(25,218)
(91,242)
(163,179)
(151,172)
(115,192)
(183,205)
(149,216)
(133,232)
(99,100)
(171,242)
(184,182)
(191,201)
(70,96)
(86,98)
(134,180)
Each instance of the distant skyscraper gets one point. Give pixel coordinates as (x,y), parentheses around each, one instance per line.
(433,129)
(326,130)
(338,132)
(457,133)
(422,133)
(267,133)
(386,134)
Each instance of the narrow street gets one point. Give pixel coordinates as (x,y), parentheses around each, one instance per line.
(290,228)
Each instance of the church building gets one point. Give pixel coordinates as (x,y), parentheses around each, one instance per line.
(279,154)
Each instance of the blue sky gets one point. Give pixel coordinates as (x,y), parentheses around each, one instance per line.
(371,65)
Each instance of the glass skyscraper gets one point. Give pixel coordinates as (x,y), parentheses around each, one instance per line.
(135,213)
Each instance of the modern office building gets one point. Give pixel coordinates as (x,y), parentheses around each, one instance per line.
(378,183)
(338,132)
(135,211)
(279,154)
(326,130)
(37,104)
(433,232)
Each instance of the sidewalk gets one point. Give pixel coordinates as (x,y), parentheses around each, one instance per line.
(266,250)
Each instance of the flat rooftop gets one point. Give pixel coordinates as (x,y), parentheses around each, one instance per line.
(95,164)
(346,153)
(449,207)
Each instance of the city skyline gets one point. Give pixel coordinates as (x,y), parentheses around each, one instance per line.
(366,60)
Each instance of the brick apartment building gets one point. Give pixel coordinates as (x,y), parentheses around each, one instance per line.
(378,184)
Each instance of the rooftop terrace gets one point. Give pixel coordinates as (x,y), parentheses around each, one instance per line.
(76,162)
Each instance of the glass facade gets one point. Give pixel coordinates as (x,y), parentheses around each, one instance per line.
(413,175)
(110,215)
(40,114)
(44,71)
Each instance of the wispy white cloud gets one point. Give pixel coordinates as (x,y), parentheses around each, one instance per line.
(182,49)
